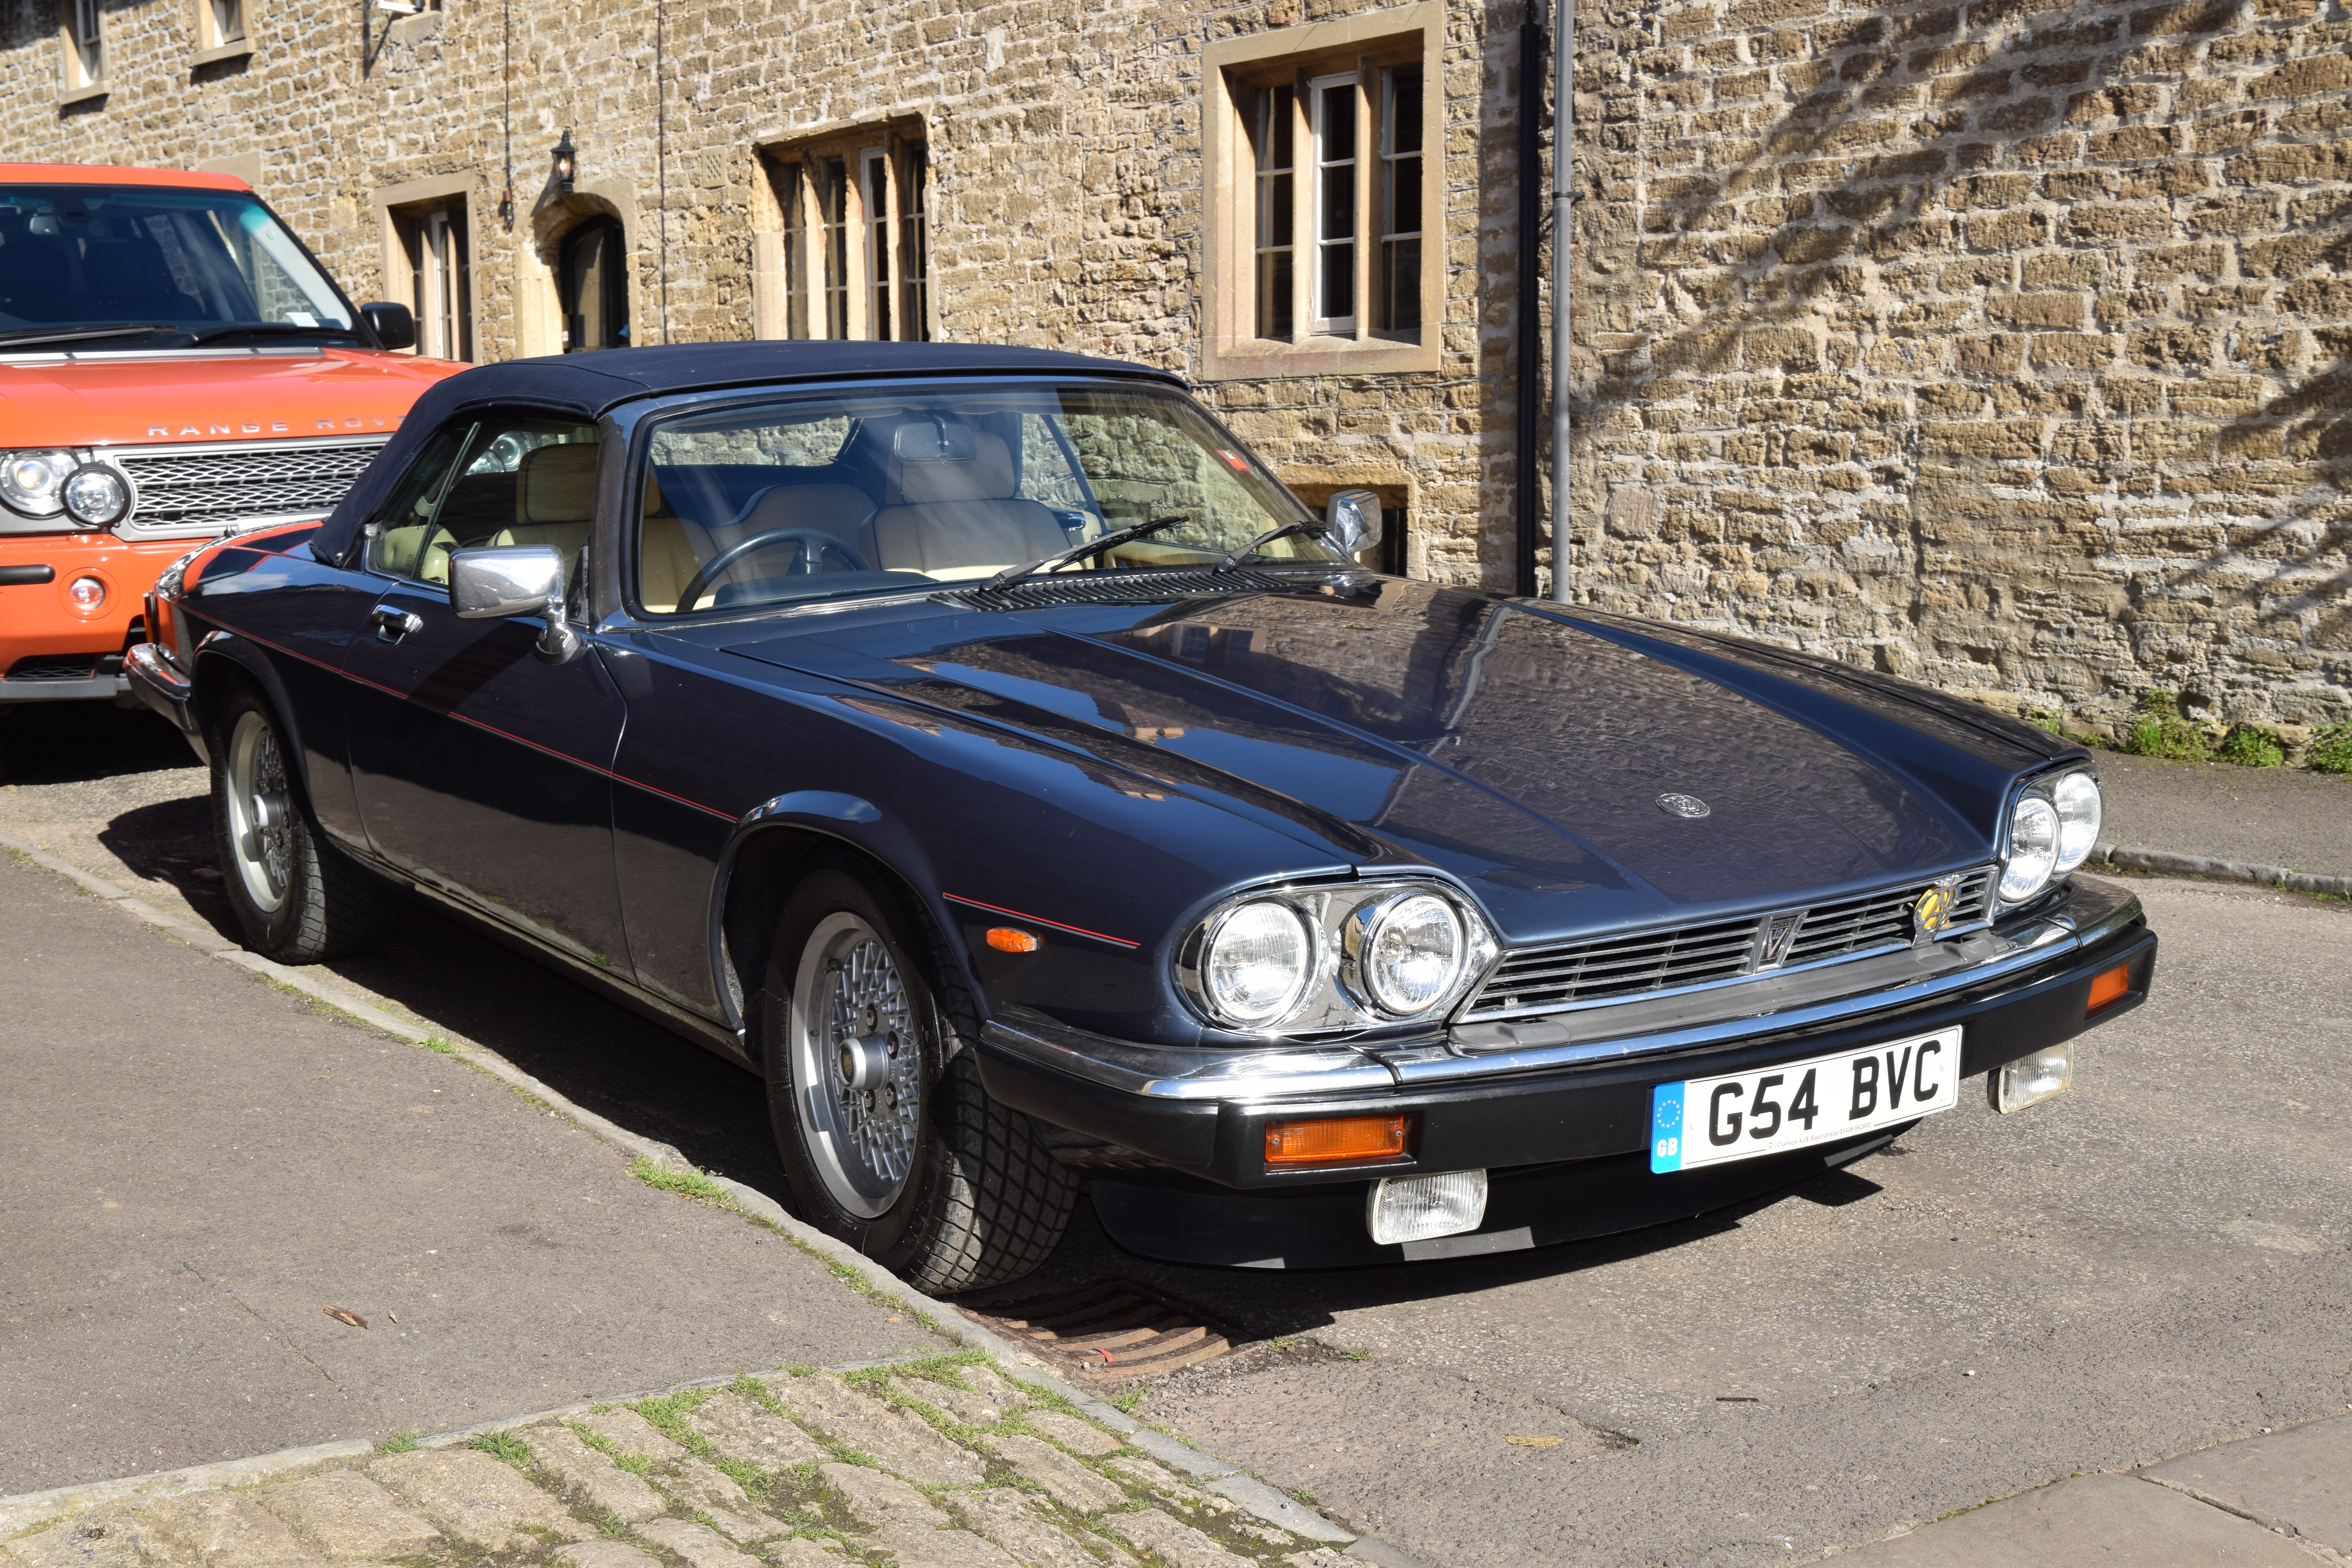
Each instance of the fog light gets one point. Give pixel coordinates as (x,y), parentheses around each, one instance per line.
(1416,1208)
(2031,1079)
(87,593)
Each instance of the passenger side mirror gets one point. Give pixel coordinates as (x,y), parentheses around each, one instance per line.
(393,327)
(1351,519)
(501,580)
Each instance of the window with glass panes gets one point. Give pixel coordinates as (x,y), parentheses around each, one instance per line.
(88,58)
(856,255)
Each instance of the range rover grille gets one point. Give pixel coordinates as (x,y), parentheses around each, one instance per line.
(182,487)
(1644,964)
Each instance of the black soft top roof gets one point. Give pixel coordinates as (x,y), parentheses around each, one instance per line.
(586,384)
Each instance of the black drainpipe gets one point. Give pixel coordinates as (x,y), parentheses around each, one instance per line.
(1530,344)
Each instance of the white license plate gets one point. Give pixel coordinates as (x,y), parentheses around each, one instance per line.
(1707,1121)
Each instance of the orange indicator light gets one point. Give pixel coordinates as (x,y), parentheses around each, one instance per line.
(1337,1140)
(1004,939)
(2109,987)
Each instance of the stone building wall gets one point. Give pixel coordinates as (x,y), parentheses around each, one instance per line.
(2002,344)
(2007,344)
(1064,141)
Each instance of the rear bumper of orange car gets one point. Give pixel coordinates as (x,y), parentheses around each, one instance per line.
(55,647)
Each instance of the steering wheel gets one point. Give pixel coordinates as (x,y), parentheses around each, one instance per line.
(814,543)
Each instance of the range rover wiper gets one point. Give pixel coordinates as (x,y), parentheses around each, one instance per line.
(28,336)
(268,330)
(1012,574)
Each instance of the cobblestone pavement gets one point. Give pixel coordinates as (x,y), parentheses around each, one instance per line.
(943,1462)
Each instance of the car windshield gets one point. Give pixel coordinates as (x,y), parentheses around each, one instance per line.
(91,263)
(866,491)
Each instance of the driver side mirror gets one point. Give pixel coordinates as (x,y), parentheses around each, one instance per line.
(393,325)
(1351,519)
(501,580)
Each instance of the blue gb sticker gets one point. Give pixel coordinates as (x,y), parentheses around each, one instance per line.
(1667,1127)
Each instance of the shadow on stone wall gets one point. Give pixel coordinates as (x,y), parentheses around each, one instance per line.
(1965,364)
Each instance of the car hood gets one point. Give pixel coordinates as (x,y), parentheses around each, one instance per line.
(198,394)
(1522,750)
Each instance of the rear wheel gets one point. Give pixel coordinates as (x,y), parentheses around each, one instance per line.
(888,1138)
(297,899)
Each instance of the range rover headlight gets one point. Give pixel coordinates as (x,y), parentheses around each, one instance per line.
(95,495)
(1259,962)
(29,481)
(2033,829)
(2080,812)
(1404,954)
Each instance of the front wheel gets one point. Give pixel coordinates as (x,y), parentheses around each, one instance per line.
(888,1138)
(297,899)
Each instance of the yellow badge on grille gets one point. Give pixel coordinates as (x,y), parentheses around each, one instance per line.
(1934,908)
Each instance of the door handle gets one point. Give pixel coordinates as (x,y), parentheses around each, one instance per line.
(391,624)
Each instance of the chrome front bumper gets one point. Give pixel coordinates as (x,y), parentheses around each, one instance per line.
(1478,1053)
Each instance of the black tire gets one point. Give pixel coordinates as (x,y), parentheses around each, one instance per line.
(953,1192)
(297,899)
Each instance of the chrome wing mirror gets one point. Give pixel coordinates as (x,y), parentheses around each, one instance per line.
(502,580)
(1351,519)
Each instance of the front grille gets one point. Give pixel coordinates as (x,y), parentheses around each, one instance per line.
(1644,964)
(1110,588)
(64,665)
(186,485)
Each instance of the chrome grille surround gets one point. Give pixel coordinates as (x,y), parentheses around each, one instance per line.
(1559,976)
(215,487)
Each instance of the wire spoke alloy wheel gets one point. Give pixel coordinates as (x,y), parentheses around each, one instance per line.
(261,812)
(857,1065)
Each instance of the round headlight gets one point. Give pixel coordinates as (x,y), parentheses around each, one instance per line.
(1412,954)
(29,481)
(95,494)
(2077,796)
(1258,964)
(2033,849)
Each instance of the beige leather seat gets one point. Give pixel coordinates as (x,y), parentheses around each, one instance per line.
(670,550)
(960,519)
(838,510)
(408,552)
(555,497)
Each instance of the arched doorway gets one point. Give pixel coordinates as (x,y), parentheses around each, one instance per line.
(591,275)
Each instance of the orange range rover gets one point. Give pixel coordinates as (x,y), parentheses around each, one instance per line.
(174,366)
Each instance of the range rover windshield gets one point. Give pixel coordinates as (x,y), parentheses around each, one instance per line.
(121,265)
(867,491)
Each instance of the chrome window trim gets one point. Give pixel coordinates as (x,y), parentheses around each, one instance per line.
(1251,1075)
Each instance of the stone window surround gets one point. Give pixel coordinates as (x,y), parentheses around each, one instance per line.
(538,301)
(782,156)
(210,49)
(390,203)
(74,84)
(1231,351)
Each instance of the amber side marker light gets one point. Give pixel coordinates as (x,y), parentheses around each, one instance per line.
(1336,1141)
(1004,939)
(2109,988)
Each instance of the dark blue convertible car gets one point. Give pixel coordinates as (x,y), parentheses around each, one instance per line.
(984,748)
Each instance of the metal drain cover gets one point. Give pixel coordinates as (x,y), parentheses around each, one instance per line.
(1107,1331)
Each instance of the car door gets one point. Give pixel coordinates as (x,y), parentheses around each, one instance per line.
(481,768)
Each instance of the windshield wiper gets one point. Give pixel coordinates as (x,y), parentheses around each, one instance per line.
(84,335)
(268,329)
(1012,574)
(1268,537)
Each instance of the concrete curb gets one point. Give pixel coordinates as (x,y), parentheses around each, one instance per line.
(1259,1498)
(20,1513)
(2164,860)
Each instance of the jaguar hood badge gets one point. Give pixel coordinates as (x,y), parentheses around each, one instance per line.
(1685,806)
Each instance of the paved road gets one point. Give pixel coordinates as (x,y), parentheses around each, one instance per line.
(2156,1261)
(2259,816)
(198,1165)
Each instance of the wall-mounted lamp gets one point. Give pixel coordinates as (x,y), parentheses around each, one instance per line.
(566,162)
